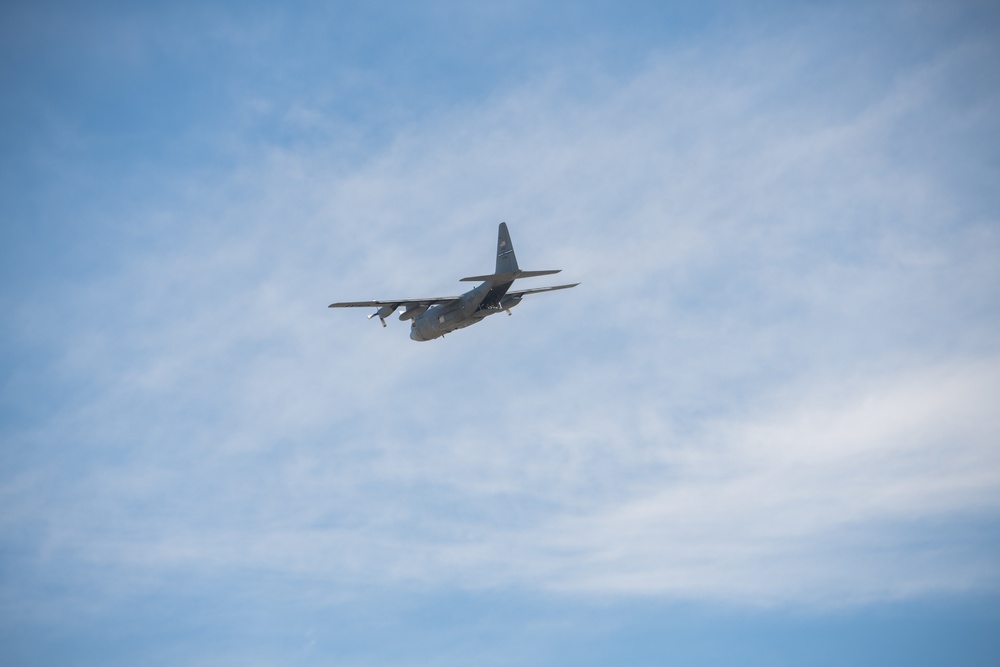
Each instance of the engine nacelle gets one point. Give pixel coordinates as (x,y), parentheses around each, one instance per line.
(412,311)
(509,302)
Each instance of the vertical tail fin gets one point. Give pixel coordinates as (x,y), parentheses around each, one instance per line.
(506,260)
(507,270)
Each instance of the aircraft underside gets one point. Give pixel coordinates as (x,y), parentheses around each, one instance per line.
(441,320)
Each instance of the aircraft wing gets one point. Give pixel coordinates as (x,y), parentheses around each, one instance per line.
(393,302)
(533,290)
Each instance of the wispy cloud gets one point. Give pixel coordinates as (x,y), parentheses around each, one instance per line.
(774,384)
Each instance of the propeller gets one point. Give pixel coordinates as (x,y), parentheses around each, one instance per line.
(384,312)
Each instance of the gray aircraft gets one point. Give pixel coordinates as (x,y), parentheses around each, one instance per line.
(434,317)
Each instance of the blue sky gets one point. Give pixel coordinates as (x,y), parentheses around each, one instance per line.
(762,431)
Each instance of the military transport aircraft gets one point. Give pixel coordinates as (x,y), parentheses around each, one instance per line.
(436,316)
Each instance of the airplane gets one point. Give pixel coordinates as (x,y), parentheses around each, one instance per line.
(436,316)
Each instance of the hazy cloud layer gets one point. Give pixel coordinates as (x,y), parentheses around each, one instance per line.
(777,382)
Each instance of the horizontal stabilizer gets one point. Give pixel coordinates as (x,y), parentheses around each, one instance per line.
(498,278)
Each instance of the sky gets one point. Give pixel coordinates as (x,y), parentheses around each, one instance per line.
(762,431)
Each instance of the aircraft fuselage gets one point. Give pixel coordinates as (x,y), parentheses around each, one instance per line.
(472,307)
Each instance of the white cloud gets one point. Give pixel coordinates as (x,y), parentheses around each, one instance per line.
(830,494)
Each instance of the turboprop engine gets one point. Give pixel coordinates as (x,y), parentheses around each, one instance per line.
(384,312)
(413,311)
